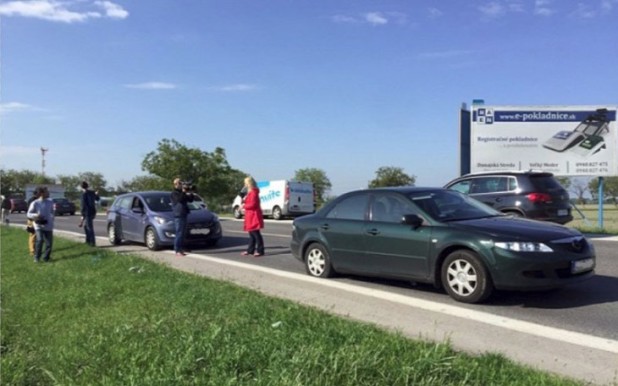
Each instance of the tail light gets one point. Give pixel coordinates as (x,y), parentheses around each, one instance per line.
(287,193)
(539,198)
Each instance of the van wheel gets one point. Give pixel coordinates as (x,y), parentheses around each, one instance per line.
(277,213)
(237,213)
(152,240)
(465,278)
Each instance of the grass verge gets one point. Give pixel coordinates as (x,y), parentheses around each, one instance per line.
(92,317)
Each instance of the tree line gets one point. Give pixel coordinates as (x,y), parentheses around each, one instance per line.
(215,179)
(218,182)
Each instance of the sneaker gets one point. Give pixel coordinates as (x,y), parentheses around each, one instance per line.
(258,254)
(245,254)
(180,254)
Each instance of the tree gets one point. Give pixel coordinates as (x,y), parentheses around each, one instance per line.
(610,188)
(14,181)
(141,183)
(321,183)
(564,181)
(580,188)
(391,176)
(211,173)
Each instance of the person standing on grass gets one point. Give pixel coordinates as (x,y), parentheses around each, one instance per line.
(6,209)
(180,198)
(254,219)
(89,211)
(41,211)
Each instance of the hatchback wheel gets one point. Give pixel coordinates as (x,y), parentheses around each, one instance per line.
(317,261)
(152,240)
(112,235)
(465,278)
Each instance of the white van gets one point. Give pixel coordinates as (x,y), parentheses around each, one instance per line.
(282,198)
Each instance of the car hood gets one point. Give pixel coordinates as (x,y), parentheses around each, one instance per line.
(201,215)
(514,228)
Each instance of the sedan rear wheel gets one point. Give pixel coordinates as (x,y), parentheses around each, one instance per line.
(317,261)
(152,240)
(465,278)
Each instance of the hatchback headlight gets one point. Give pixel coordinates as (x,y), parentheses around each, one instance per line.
(521,246)
(160,220)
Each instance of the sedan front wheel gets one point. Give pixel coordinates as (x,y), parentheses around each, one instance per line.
(317,261)
(465,278)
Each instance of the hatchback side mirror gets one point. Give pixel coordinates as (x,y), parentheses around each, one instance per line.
(413,220)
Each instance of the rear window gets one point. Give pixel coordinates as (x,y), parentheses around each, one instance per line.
(545,182)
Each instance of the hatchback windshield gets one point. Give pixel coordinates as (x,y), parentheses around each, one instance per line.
(450,205)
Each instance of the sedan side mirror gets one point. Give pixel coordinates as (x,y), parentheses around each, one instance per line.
(413,220)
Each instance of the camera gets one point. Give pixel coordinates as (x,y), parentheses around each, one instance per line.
(188,186)
(41,221)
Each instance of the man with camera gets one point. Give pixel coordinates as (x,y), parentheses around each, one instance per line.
(181,196)
(41,212)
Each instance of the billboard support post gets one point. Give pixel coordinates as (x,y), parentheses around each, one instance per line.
(600,209)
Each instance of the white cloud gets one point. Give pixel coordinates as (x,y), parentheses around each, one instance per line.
(375,18)
(434,12)
(57,11)
(240,87)
(372,18)
(112,10)
(496,9)
(542,8)
(13,107)
(152,86)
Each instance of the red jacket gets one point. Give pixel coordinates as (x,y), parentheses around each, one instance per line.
(254,220)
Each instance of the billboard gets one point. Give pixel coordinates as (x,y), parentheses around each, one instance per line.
(564,140)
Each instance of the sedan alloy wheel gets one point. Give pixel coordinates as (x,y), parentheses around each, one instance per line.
(465,278)
(317,261)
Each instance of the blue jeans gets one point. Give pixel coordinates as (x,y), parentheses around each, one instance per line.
(43,236)
(180,228)
(89,230)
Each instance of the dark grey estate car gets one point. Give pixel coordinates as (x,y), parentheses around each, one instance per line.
(531,194)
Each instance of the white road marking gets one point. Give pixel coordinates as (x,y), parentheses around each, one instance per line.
(557,334)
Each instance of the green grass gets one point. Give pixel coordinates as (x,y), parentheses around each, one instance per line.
(93,317)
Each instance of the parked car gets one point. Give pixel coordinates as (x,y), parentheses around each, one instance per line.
(146,217)
(18,205)
(63,206)
(439,236)
(531,194)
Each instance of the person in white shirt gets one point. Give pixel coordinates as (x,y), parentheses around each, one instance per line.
(41,212)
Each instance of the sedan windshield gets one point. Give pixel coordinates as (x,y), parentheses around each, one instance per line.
(449,205)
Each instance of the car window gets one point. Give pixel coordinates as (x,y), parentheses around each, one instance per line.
(350,208)
(390,208)
(161,203)
(544,182)
(124,202)
(462,186)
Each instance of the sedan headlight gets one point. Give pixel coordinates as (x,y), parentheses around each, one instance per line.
(523,246)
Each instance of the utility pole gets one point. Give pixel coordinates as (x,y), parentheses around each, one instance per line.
(43,151)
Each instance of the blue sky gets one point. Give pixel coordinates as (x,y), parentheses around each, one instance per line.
(281,85)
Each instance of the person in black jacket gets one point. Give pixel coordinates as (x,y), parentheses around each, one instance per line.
(180,197)
(89,211)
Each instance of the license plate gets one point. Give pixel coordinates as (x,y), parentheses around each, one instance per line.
(199,231)
(582,265)
(563,212)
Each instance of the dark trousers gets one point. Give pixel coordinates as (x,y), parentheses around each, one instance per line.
(89,230)
(43,237)
(256,243)
(180,229)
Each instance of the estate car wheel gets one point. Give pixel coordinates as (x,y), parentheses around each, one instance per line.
(465,278)
(152,240)
(237,213)
(317,261)
(277,215)
(112,235)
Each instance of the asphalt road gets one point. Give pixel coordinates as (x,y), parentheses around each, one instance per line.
(571,331)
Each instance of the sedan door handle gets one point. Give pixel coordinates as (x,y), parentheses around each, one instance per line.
(373,232)
(325,227)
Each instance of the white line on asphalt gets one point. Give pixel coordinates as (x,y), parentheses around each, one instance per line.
(575,338)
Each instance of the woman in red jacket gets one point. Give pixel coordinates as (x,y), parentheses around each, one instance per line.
(254,220)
